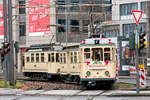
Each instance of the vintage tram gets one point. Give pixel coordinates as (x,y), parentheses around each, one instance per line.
(88,64)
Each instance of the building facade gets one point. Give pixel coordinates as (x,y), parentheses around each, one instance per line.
(74,16)
(34,22)
(123,20)
(50,21)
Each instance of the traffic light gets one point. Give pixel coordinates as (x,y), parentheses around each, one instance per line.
(132,41)
(6,47)
(142,40)
(2,55)
(1,51)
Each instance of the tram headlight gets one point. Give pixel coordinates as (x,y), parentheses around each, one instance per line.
(88,73)
(107,73)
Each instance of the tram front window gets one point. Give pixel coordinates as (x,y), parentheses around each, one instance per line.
(97,54)
(107,52)
(86,53)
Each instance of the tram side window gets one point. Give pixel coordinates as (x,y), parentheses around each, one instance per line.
(60,58)
(87,53)
(53,58)
(37,57)
(107,54)
(71,55)
(57,57)
(97,54)
(28,59)
(32,57)
(64,58)
(49,57)
(42,57)
(75,57)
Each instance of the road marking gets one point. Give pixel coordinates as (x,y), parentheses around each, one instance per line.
(91,92)
(60,92)
(32,92)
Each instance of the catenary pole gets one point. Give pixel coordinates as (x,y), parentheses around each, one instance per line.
(66,17)
(5,40)
(11,53)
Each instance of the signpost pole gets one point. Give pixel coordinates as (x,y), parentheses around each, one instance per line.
(136,62)
(137,16)
(5,40)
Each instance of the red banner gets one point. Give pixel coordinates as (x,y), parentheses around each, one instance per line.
(39,17)
(1,23)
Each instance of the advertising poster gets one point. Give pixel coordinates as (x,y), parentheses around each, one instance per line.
(1,23)
(39,17)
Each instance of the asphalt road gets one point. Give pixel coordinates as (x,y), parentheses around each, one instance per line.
(132,81)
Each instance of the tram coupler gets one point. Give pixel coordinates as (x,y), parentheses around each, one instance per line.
(91,83)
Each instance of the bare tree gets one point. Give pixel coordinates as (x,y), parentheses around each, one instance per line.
(96,16)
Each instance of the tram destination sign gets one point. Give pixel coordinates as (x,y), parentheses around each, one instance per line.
(100,41)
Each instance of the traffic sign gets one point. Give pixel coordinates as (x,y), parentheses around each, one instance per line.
(137,15)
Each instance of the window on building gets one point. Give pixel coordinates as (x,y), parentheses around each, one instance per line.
(42,57)
(125,9)
(61,2)
(22,29)
(22,7)
(74,25)
(63,27)
(86,1)
(108,8)
(74,8)
(129,28)
(32,57)
(110,31)
(143,6)
(85,24)
(37,57)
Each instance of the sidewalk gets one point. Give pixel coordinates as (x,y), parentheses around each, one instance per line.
(132,76)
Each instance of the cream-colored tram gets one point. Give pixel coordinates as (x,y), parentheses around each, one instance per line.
(89,64)
(98,64)
(37,63)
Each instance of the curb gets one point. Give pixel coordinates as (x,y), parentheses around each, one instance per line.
(129,95)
